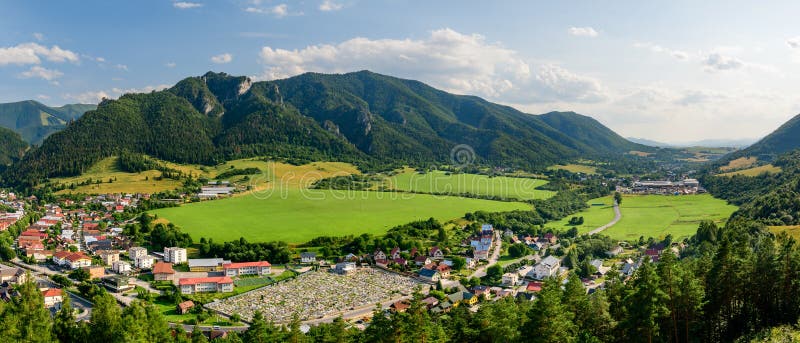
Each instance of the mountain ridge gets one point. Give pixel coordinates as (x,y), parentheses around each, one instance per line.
(361,117)
(35,121)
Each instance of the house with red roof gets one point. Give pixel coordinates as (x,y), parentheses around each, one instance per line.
(162,271)
(52,298)
(534,286)
(436,253)
(395,253)
(247,268)
(206,284)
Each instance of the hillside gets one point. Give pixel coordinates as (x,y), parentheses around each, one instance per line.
(369,119)
(785,138)
(12,147)
(35,121)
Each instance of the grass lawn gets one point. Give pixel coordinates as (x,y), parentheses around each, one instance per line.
(296,216)
(791,230)
(144,182)
(440,182)
(599,213)
(755,171)
(741,162)
(655,215)
(575,168)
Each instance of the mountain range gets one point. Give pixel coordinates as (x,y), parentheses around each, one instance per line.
(362,117)
(709,143)
(35,121)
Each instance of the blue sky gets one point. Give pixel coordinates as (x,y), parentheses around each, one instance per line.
(671,71)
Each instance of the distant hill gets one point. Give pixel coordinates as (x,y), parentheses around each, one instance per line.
(12,147)
(35,121)
(710,143)
(370,119)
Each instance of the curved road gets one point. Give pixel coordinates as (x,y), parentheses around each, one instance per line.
(617,217)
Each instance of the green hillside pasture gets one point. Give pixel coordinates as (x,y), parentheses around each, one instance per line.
(439,182)
(599,213)
(296,216)
(654,215)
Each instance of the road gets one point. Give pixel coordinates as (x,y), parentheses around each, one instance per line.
(481,271)
(617,217)
(77,302)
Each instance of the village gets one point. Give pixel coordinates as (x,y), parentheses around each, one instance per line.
(61,248)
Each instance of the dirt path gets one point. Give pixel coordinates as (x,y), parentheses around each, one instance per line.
(617,217)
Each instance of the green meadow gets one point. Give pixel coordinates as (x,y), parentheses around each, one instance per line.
(439,182)
(297,215)
(653,215)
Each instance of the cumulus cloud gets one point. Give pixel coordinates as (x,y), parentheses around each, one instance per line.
(42,97)
(121,67)
(460,63)
(793,43)
(718,62)
(145,89)
(330,5)
(186,5)
(655,48)
(41,73)
(33,53)
(583,31)
(279,11)
(90,97)
(39,36)
(222,58)
(170,64)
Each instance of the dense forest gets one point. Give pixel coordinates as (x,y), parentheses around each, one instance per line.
(372,120)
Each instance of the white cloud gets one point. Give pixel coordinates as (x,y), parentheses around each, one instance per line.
(43,97)
(330,5)
(793,43)
(39,36)
(170,64)
(42,73)
(583,31)
(145,89)
(186,5)
(121,67)
(32,53)
(447,59)
(222,58)
(718,62)
(676,54)
(279,11)
(90,97)
(100,59)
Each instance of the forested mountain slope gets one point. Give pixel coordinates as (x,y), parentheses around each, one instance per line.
(35,121)
(363,117)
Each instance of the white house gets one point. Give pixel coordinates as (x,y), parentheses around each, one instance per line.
(136,252)
(247,268)
(52,298)
(175,255)
(546,268)
(308,257)
(206,284)
(510,279)
(144,262)
(121,267)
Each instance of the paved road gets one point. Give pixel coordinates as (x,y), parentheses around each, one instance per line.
(617,217)
(481,271)
(39,272)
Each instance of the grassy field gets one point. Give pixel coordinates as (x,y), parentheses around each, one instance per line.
(439,182)
(755,171)
(792,230)
(575,168)
(654,215)
(295,215)
(739,163)
(599,213)
(145,182)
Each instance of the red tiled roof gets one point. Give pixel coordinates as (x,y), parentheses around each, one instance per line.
(78,256)
(534,286)
(163,268)
(246,264)
(52,292)
(62,254)
(196,280)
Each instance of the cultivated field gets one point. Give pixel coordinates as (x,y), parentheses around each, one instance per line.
(575,168)
(439,182)
(755,171)
(791,230)
(297,215)
(599,213)
(739,163)
(655,215)
(145,182)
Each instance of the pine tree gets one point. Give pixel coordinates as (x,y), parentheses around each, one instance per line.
(105,324)
(549,319)
(645,304)
(33,318)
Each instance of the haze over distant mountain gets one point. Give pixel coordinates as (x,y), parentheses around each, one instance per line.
(362,117)
(711,143)
(35,121)
(785,138)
